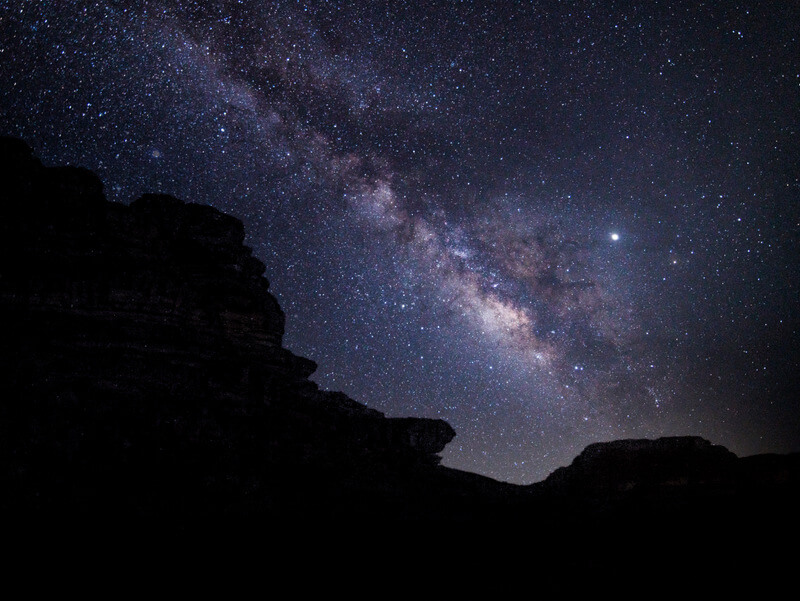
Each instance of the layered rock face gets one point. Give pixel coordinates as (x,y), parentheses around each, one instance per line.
(143,360)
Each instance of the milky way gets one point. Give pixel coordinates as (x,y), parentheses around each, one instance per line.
(548,223)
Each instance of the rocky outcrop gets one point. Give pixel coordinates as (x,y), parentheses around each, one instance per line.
(620,467)
(676,483)
(141,342)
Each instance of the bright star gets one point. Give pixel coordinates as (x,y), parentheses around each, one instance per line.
(614,236)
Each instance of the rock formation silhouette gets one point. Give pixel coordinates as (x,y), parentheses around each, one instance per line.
(145,381)
(143,352)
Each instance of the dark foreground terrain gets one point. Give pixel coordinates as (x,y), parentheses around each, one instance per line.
(146,387)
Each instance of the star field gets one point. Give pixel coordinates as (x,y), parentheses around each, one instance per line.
(548,223)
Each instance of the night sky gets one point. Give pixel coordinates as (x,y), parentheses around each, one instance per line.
(548,223)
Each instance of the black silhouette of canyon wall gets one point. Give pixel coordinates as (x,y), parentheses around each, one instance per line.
(145,370)
(144,379)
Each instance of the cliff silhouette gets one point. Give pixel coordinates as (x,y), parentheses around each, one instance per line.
(145,382)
